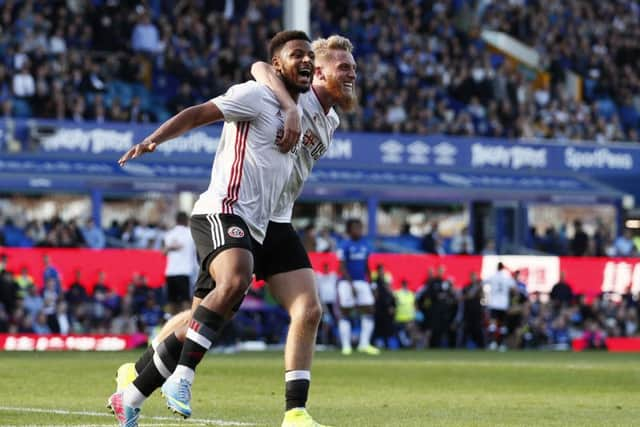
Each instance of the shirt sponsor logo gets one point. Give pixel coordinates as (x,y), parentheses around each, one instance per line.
(313,144)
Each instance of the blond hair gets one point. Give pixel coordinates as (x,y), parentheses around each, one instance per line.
(323,47)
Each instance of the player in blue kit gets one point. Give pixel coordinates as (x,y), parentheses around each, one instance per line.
(354,290)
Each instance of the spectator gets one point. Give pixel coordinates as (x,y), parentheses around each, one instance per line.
(145,37)
(112,302)
(325,243)
(139,291)
(57,42)
(8,291)
(430,242)
(99,314)
(473,313)
(515,316)
(40,325)
(24,282)
(151,314)
(100,285)
(24,85)
(93,235)
(114,231)
(384,310)
(183,99)
(580,241)
(405,314)
(462,242)
(520,285)
(4,319)
(77,292)
(60,322)
(594,336)
(50,290)
(624,245)
(561,293)
(33,302)
(441,310)
(51,272)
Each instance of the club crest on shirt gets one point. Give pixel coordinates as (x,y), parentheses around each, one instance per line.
(235,232)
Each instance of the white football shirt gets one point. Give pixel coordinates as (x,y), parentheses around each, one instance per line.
(249,173)
(317,133)
(183,261)
(499,286)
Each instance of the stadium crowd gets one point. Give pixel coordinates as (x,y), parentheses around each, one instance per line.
(135,234)
(438,315)
(41,306)
(423,67)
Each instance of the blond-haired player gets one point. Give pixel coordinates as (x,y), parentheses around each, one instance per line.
(287,269)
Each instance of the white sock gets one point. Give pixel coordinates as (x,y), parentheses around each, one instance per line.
(297,375)
(133,397)
(185,372)
(344,326)
(367,324)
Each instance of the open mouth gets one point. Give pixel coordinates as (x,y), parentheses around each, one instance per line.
(304,72)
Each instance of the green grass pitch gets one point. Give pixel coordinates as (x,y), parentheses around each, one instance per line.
(428,388)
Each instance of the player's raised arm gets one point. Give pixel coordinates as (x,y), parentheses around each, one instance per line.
(184,121)
(265,74)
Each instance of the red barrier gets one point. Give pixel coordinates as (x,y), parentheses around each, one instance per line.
(588,276)
(615,345)
(56,342)
(119,265)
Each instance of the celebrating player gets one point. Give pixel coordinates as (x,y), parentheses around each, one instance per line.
(287,268)
(229,221)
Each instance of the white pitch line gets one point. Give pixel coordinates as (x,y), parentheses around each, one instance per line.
(192,421)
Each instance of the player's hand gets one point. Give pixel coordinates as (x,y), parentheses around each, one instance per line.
(292,130)
(146,146)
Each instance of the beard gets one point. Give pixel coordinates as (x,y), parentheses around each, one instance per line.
(289,82)
(346,102)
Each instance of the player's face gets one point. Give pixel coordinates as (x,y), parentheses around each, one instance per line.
(340,78)
(295,64)
(355,232)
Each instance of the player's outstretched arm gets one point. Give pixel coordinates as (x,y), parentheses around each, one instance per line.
(264,73)
(184,121)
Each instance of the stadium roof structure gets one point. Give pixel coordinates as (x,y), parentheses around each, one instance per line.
(41,174)
(82,157)
(461,186)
